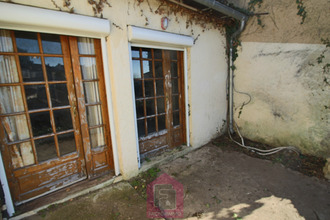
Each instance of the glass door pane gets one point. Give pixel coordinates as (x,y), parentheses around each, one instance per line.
(149,90)
(89,75)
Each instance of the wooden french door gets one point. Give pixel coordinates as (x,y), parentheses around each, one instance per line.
(54,124)
(159,97)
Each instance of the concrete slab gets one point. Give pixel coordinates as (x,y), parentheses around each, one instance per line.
(119,201)
(218,184)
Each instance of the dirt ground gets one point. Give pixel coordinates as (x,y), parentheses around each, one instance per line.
(219,183)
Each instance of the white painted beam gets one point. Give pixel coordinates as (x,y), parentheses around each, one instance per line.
(159,38)
(26,18)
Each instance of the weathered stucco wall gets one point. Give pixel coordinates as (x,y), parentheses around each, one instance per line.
(283,25)
(206,70)
(208,88)
(277,65)
(289,98)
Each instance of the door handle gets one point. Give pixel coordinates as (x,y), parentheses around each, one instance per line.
(74,109)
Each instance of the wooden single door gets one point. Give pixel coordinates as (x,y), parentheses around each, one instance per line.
(159,97)
(53,117)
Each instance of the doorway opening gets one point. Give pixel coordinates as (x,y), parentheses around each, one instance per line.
(159,98)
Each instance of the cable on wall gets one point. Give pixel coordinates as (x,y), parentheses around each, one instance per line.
(260,151)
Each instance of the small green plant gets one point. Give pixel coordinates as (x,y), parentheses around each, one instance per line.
(153,172)
(252,7)
(253,3)
(233,42)
(141,182)
(301,10)
(235,216)
(320,59)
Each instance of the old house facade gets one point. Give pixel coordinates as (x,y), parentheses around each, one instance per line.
(83,96)
(89,87)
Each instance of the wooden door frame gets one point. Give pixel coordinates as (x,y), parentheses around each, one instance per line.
(71,81)
(185,51)
(89,152)
(84,26)
(14,173)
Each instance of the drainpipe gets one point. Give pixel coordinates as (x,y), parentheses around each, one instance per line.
(231,74)
(224,9)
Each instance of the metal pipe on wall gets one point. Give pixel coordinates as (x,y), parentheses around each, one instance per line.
(224,9)
(231,76)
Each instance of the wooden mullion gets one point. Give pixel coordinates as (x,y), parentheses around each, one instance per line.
(43,136)
(12,114)
(53,55)
(18,142)
(89,55)
(148,98)
(29,54)
(96,126)
(93,104)
(90,80)
(40,44)
(34,83)
(160,96)
(9,84)
(8,53)
(62,107)
(65,132)
(39,110)
(143,94)
(57,82)
(150,116)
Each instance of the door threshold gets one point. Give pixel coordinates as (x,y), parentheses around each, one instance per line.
(65,194)
(49,192)
(166,157)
